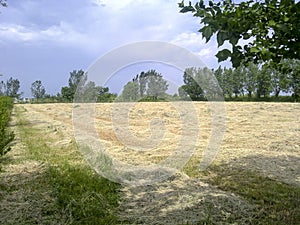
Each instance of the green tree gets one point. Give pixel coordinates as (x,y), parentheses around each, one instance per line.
(291,68)
(1,88)
(130,92)
(182,94)
(279,81)
(156,84)
(76,78)
(252,71)
(271,28)
(192,78)
(228,82)
(38,91)
(67,94)
(11,88)
(263,82)
(103,94)
(142,80)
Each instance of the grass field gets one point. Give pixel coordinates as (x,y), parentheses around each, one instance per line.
(255,178)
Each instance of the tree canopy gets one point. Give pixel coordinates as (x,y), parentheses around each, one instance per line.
(37,89)
(10,88)
(258,31)
(145,85)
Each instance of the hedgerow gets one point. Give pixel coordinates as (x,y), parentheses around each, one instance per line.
(6,105)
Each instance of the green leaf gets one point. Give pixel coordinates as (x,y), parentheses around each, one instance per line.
(187,9)
(223,55)
(201,4)
(200,13)
(272,23)
(234,39)
(221,37)
(206,32)
(181,4)
(254,50)
(246,36)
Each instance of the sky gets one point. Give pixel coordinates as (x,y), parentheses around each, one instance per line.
(46,40)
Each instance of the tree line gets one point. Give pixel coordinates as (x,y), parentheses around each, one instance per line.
(261,82)
(248,82)
(11,89)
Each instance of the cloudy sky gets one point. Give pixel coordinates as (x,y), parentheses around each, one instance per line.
(45,40)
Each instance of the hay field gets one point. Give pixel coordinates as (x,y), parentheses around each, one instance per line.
(263,138)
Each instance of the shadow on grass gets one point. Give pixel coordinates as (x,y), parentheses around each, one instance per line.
(271,183)
(180,200)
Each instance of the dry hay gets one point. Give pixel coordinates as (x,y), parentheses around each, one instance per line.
(181,200)
(21,199)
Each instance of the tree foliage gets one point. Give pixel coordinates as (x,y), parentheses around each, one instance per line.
(38,91)
(11,88)
(253,82)
(6,137)
(199,84)
(131,92)
(191,87)
(90,92)
(270,28)
(146,85)
(76,78)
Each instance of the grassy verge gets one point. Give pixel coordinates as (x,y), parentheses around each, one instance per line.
(6,105)
(277,202)
(75,193)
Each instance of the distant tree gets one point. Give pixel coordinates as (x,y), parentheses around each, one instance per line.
(1,88)
(279,81)
(131,92)
(252,71)
(90,92)
(191,79)
(38,91)
(263,82)
(156,84)
(76,78)
(148,85)
(142,80)
(228,80)
(219,76)
(238,77)
(11,88)
(272,25)
(67,94)
(182,93)
(291,68)
(103,94)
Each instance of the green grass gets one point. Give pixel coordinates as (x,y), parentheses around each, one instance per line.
(83,195)
(277,202)
(76,192)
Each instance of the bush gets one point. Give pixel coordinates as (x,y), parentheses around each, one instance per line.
(6,105)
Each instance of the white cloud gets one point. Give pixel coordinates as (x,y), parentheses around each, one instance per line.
(206,52)
(189,40)
(16,32)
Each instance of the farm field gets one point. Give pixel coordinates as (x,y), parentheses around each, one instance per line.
(255,177)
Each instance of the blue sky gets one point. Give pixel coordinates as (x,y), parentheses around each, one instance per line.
(45,40)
